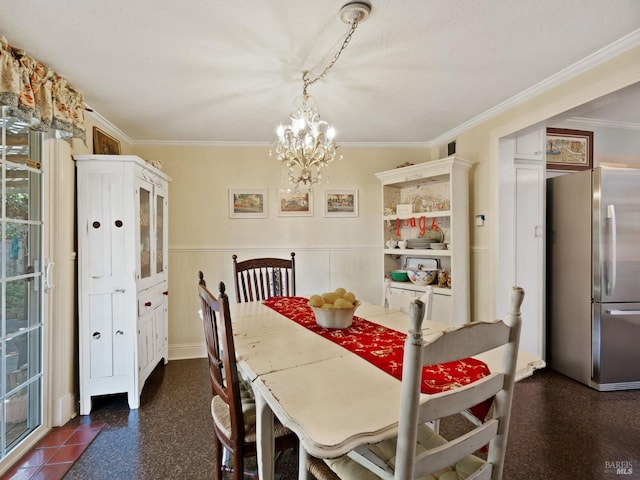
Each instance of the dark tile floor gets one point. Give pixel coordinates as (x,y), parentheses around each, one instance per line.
(560,430)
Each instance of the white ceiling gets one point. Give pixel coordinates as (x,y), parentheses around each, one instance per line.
(228,71)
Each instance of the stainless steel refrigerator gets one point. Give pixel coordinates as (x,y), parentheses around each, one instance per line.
(593,284)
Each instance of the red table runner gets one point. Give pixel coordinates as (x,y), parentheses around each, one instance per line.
(384,348)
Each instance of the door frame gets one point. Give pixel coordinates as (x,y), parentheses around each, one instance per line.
(506,253)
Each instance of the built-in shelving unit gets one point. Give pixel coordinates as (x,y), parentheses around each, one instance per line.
(436,195)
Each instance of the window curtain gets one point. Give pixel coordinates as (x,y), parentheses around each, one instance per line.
(38,95)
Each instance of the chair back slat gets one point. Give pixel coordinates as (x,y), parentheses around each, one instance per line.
(450,402)
(468,340)
(450,453)
(262,278)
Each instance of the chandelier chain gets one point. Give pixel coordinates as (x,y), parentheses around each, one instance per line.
(345,43)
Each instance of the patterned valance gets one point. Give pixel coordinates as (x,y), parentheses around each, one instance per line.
(39,95)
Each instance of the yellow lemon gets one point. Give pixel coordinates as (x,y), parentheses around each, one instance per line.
(342,303)
(349,297)
(316,301)
(330,297)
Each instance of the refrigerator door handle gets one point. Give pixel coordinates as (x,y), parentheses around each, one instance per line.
(611,261)
(623,312)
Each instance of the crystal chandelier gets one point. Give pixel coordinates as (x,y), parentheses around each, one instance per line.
(307,144)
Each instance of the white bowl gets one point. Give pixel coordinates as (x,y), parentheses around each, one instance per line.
(438,246)
(334,317)
(422,277)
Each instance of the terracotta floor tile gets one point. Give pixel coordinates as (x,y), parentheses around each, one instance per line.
(55,453)
(37,457)
(67,453)
(52,472)
(56,437)
(21,473)
(81,437)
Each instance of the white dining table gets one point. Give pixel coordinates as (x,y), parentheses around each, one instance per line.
(331,398)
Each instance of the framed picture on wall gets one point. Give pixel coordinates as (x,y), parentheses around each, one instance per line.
(248,203)
(341,203)
(104,144)
(294,204)
(569,149)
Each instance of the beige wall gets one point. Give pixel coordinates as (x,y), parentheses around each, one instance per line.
(480,145)
(330,252)
(333,252)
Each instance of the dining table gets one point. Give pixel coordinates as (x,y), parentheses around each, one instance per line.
(329,395)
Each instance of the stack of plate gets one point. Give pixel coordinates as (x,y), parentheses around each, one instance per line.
(419,243)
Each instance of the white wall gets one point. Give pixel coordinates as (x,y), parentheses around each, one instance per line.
(330,252)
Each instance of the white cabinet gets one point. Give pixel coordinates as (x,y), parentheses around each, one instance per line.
(122,274)
(436,195)
(530,146)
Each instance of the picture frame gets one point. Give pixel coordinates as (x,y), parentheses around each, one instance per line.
(294,204)
(104,144)
(569,149)
(248,203)
(341,203)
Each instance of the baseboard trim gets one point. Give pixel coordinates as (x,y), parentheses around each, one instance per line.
(64,410)
(187,350)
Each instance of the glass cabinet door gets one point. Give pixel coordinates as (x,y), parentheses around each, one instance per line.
(160,246)
(145,231)
(21,231)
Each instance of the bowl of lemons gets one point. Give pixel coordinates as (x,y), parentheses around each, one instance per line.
(334,309)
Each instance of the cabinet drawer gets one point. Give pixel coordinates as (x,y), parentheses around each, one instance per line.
(150,299)
(442,309)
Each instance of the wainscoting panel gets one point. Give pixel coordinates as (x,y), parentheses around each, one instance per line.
(318,270)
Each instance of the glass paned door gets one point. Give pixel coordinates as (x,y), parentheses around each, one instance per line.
(160,233)
(20,282)
(145,231)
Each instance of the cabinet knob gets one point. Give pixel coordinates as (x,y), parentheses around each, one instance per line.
(147,304)
(96,224)
(118,223)
(119,333)
(166,293)
(96,335)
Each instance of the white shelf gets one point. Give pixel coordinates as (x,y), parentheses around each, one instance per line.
(407,216)
(419,288)
(428,252)
(443,181)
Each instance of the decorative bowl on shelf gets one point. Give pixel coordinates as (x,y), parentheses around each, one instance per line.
(438,246)
(399,276)
(335,317)
(422,277)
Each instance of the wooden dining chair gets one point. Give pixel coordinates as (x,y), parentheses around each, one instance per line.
(233,404)
(418,451)
(262,278)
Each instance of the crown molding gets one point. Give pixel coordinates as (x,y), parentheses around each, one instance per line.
(106,124)
(596,122)
(618,47)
